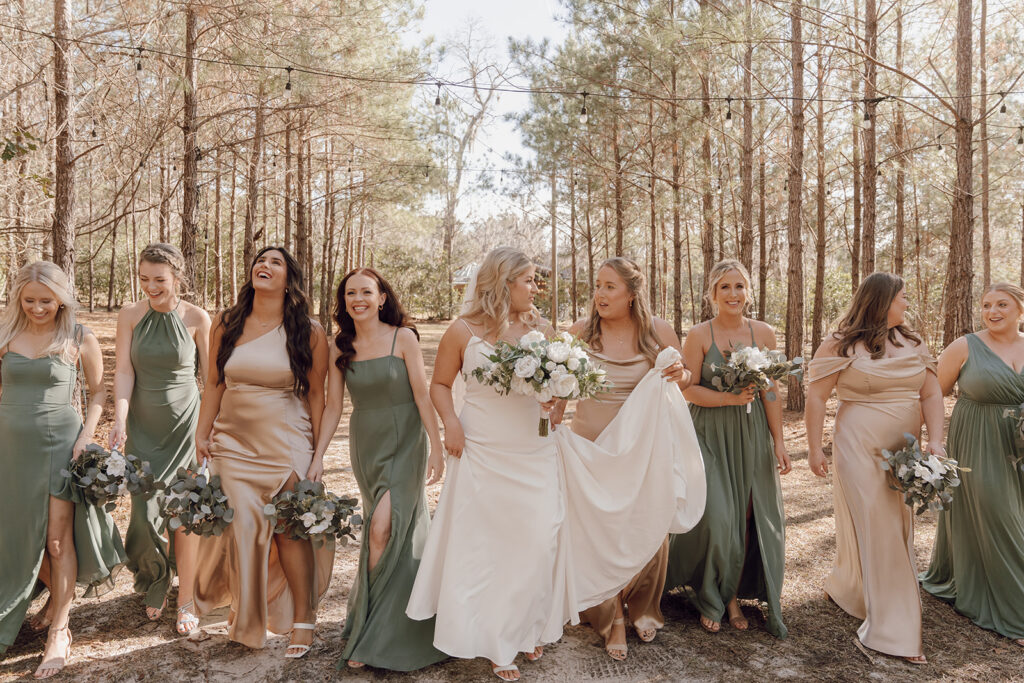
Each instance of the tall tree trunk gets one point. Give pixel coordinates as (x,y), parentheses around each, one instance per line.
(762,245)
(573,279)
(113,264)
(653,264)
(819,261)
(554,249)
(190,175)
(900,139)
(986,239)
(165,199)
(326,278)
(63,228)
(218,267)
(677,241)
(747,151)
(252,187)
(959,271)
(300,199)
(855,249)
(232,253)
(288,182)
(707,234)
(620,209)
(870,179)
(795,281)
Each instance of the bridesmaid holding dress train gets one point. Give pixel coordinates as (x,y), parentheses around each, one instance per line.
(884,379)
(978,560)
(161,342)
(258,422)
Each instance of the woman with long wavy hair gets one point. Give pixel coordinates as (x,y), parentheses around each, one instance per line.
(46,535)
(885,380)
(258,423)
(376,356)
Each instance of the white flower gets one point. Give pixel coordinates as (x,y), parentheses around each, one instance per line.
(936,465)
(531,337)
(526,366)
(573,364)
(521,386)
(925,474)
(319,528)
(564,385)
(558,351)
(564,336)
(550,365)
(902,470)
(116,465)
(578,352)
(545,394)
(750,357)
(308,519)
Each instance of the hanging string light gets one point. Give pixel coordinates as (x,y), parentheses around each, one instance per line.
(288,85)
(583,110)
(728,112)
(1002,108)
(1020,135)
(867,119)
(138,59)
(437,99)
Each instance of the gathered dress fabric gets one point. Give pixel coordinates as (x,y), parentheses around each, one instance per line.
(388,448)
(38,430)
(874,577)
(262,434)
(161,424)
(529,530)
(978,560)
(713,559)
(642,595)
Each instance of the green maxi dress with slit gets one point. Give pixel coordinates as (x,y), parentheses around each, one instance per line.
(38,430)
(978,560)
(162,416)
(388,448)
(740,465)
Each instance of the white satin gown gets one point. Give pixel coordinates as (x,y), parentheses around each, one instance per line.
(529,530)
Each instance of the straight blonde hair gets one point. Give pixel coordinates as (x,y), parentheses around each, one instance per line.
(13,320)
(490,304)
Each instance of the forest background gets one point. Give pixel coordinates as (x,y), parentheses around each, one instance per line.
(817,142)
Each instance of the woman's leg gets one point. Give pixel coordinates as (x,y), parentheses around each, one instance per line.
(379,534)
(296,559)
(60,552)
(186,547)
(733,609)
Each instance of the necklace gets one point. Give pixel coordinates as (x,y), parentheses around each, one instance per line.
(265,324)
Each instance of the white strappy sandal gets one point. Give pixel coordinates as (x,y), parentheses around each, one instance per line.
(302,649)
(498,670)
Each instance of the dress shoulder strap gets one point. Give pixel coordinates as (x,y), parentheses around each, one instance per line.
(711,326)
(79,334)
(471,331)
(393,340)
(753,342)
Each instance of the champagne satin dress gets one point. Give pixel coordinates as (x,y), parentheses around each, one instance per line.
(161,425)
(261,435)
(874,577)
(642,596)
(38,430)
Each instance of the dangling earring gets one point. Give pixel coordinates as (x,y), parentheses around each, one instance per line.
(381,307)
(631,303)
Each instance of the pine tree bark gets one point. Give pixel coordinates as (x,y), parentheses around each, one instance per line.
(795,281)
(707,235)
(900,138)
(762,246)
(855,266)
(190,175)
(63,228)
(986,238)
(300,199)
(218,267)
(870,172)
(677,241)
(252,182)
(818,310)
(554,248)
(747,151)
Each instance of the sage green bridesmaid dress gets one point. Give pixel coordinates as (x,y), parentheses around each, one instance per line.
(388,449)
(978,560)
(162,416)
(739,459)
(38,430)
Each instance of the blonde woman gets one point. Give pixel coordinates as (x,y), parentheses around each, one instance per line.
(41,348)
(738,549)
(161,343)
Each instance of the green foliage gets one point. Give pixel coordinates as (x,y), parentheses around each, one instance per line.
(196,504)
(21,143)
(99,477)
(311,512)
(418,277)
(924,480)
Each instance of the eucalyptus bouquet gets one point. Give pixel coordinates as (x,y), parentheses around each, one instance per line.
(309,511)
(101,476)
(925,480)
(1017,414)
(543,369)
(195,503)
(750,366)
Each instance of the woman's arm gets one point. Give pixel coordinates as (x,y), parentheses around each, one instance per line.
(213,391)
(765,337)
(693,357)
(950,362)
(447,366)
(331,415)
(409,350)
(677,372)
(92,363)
(202,338)
(124,373)
(814,411)
(317,375)
(934,413)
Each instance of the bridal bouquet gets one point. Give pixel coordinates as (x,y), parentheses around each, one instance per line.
(309,511)
(543,369)
(924,479)
(750,366)
(101,476)
(1018,415)
(195,503)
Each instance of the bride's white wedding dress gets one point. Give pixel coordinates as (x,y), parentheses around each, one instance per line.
(531,530)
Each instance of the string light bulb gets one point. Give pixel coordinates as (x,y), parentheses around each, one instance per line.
(584,117)
(728,112)
(1002,107)
(288,84)
(1020,135)
(138,59)
(437,99)
(867,120)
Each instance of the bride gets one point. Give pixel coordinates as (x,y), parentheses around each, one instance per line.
(521,536)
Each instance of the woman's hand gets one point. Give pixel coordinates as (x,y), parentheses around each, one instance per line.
(203,449)
(741,399)
(316,470)
(454,439)
(816,461)
(79,446)
(675,373)
(435,466)
(935,448)
(782,457)
(558,412)
(118,436)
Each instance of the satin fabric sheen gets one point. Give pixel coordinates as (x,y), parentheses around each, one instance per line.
(874,577)
(261,435)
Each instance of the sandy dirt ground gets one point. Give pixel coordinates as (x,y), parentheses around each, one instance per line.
(115,642)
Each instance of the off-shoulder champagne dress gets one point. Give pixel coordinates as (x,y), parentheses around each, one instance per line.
(874,577)
(262,435)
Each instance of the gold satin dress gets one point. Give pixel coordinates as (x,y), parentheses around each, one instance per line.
(874,577)
(642,595)
(261,435)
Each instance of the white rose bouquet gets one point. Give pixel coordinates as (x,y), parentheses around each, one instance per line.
(543,369)
(309,511)
(100,477)
(750,366)
(925,480)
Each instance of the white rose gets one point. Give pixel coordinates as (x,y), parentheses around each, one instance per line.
(116,465)
(545,394)
(573,364)
(558,351)
(564,336)
(526,366)
(308,519)
(935,465)
(521,386)
(550,365)
(578,352)
(564,385)
(531,337)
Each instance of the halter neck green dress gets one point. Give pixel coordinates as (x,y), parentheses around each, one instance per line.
(740,465)
(38,430)
(388,449)
(978,560)
(162,416)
